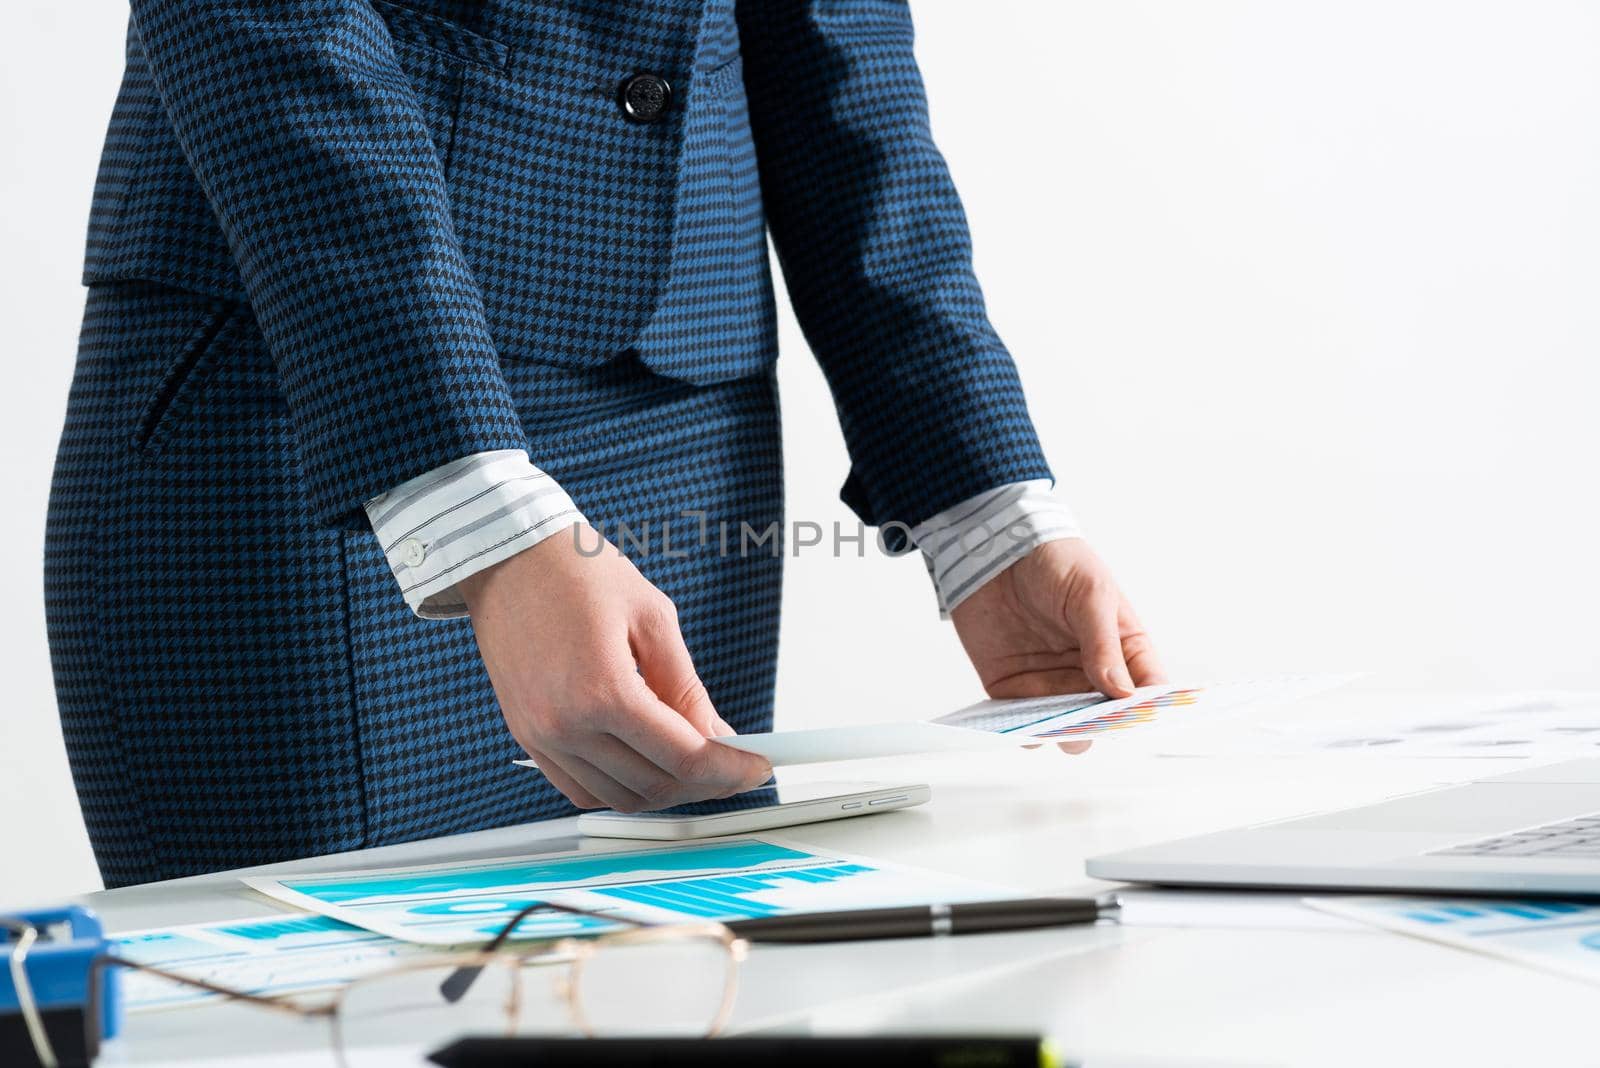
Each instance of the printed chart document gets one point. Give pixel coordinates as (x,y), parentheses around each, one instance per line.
(274,955)
(1556,936)
(1027,721)
(1545,725)
(468,903)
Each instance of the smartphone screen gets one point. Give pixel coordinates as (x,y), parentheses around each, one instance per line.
(771,795)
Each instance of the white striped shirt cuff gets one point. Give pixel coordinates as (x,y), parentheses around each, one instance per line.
(969,544)
(458,519)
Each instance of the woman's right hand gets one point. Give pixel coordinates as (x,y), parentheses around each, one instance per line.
(595,682)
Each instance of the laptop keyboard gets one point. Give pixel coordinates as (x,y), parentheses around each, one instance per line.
(1578,838)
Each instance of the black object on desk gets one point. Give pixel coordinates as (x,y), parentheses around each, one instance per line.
(796,1052)
(921,921)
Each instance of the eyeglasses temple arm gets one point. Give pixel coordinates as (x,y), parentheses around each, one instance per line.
(281,1004)
(458,982)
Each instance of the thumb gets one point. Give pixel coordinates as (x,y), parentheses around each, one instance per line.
(1100,638)
(668,670)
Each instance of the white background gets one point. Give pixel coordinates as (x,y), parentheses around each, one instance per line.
(1303,295)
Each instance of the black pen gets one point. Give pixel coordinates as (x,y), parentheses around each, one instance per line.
(921,921)
(932,1051)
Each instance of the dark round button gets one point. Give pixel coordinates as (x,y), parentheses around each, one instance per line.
(645,97)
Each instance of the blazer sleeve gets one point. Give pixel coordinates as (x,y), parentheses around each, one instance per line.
(314,153)
(875,252)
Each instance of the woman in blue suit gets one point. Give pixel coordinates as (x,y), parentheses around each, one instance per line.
(397,308)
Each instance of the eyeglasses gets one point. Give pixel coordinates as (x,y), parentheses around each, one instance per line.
(678,979)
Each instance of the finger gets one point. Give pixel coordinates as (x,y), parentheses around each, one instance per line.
(667,740)
(620,761)
(1143,663)
(562,781)
(1066,747)
(1044,682)
(1101,638)
(1139,651)
(668,669)
(601,785)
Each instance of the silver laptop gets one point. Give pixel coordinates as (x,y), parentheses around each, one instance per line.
(1533,831)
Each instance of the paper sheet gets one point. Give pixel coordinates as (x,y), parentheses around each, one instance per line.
(1025,721)
(785,748)
(1147,906)
(1556,936)
(1516,726)
(462,903)
(273,955)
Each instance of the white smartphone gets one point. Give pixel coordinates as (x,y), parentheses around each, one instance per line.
(778,804)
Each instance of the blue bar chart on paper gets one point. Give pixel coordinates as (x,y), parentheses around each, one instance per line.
(762,893)
(1493,917)
(270,956)
(1558,936)
(467,903)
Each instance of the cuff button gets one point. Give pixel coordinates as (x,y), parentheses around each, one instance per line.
(412,553)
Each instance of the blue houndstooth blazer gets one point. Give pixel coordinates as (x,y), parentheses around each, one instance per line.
(524,211)
(336,244)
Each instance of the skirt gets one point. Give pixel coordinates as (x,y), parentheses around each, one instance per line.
(239,685)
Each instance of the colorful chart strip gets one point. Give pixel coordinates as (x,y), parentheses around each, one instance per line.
(1123,718)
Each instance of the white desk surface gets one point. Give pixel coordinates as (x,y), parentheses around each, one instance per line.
(1230,985)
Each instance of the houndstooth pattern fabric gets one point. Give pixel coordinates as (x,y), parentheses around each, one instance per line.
(878,261)
(518,213)
(240,684)
(336,244)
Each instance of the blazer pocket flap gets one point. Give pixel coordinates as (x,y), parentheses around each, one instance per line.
(186,375)
(409,26)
